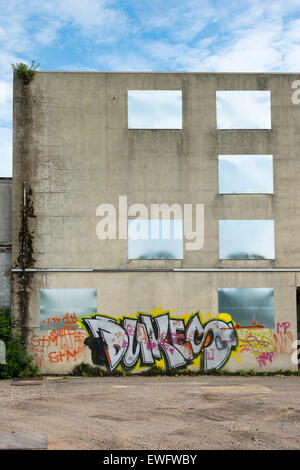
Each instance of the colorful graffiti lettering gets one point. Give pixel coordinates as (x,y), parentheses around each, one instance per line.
(256,340)
(266,344)
(285,325)
(64,319)
(143,340)
(61,344)
(284,342)
(263,358)
(49,322)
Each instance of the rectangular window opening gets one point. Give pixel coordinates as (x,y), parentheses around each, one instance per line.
(154,109)
(62,307)
(246,239)
(155,239)
(243,109)
(248,306)
(245,174)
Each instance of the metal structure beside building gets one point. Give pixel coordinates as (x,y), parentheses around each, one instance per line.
(219,152)
(5,240)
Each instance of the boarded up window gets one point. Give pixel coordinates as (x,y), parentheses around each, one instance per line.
(245,174)
(246,239)
(243,109)
(155,239)
(154,109)
(62,307)
(248,306)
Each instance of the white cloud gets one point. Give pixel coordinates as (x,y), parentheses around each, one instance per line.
(149,35)
(255,51)
(5,102)
(6,59)
(48,33)
(5,92)
(258,38)
(28,26)
(128,61)
(175,19)
(5,152)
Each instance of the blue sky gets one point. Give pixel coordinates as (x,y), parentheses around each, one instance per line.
(144,35)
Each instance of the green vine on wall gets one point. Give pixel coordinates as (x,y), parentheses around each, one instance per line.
(25,261)
(25,258)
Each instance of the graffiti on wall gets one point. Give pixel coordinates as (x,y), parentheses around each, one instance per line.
(63,342)
(146,340)
(267,344)
(59,339)
(71,331)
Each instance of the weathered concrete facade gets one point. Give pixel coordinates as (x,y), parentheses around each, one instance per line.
(73,151)
(5,240)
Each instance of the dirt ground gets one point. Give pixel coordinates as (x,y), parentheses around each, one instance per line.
(156,413)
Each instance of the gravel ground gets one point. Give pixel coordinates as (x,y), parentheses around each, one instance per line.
(156,413)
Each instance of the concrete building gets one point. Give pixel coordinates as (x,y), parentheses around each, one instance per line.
(88,147)
(5,240)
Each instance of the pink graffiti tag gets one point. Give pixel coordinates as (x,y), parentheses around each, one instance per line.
(285,325)
(264,357)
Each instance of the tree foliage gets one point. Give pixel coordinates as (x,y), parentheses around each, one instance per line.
(18,362)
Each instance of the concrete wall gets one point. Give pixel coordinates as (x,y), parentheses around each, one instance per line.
(57,348)
(5,240)
(72,128)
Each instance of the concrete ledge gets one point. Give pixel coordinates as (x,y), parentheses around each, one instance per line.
(23,441)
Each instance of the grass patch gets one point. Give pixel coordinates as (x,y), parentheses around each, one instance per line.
(87,370)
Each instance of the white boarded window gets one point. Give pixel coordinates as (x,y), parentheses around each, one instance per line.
(245,174)
(248,306)
(243,109)
(154,109)
(59,307)
(246,239)
(155,239)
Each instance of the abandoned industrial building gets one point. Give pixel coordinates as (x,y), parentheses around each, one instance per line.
(155,220)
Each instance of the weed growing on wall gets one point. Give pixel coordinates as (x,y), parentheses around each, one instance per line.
(18,362)
(25,72)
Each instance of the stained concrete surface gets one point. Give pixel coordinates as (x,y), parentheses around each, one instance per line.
(23,442)
(156,413)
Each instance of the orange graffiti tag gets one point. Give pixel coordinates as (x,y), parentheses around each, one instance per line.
(281,342)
